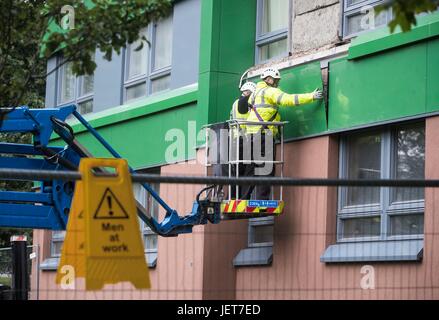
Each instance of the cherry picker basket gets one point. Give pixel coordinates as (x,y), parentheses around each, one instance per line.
(224,155)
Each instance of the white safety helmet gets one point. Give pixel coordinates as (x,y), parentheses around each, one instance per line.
(270,72)
(250,86)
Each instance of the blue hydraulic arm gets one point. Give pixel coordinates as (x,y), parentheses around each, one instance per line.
(49,208)
(172,224)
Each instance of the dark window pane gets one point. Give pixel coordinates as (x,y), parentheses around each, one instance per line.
(361,227)
(86,107)
(57,242)
(68,83)
(273,49)
(87,85)
(364,162)
(160,84)
(407,225)
(150,241)
(136,91)
(410,161)
(163,45)
(262,234)
(138,59)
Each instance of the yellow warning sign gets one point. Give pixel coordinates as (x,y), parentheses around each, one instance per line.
(113,250)
(72,262)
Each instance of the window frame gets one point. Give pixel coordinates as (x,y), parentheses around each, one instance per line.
(150,254)
(386,208)
(56,237)
(253,224)
(352,10)
(151,73)
(153,211)
(79,97)
(263,39)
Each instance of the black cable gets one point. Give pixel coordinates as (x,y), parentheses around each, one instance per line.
(59,125)
(35,175)
(203,190)
(55,158)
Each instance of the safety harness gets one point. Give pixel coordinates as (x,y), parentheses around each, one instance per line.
(255,107)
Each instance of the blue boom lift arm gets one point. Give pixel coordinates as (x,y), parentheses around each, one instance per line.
(49,207)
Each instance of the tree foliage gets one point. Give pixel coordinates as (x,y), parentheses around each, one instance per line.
(405,11)
(26,44)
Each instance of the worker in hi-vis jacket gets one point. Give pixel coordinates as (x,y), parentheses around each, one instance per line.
(240,111)
(265,103)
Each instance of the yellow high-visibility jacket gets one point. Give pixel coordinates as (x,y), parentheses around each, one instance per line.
(236,115)
(266,101)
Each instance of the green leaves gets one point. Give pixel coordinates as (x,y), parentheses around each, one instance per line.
(105,26)
(405,12)
(30,33)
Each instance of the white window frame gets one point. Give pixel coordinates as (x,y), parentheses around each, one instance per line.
(151,73)
(263,39)
(154,208)
(79,98)
(386,208)
(56,237)
(352,10)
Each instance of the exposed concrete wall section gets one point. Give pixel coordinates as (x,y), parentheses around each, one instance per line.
(315,25)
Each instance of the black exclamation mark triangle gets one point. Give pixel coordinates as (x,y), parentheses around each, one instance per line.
(109,207)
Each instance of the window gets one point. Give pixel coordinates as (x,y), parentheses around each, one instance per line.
(150,239)
(375,213)
(68,83)
(261,231)
(359,16)
(273,23)
(148,68)
(259,251)
(56,243)
(73,89)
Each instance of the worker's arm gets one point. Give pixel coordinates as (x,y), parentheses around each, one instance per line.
(281,98)
(243,104)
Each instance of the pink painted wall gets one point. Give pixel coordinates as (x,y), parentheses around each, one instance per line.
(222,243)
(306,229)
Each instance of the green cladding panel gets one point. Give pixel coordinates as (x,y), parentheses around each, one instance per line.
(433,75)
(306,119)
(142,140)
(138,130)
(227,49)
(381,87)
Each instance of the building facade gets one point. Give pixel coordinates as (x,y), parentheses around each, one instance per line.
(379,120)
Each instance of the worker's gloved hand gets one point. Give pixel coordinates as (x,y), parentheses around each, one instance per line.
(317,94)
